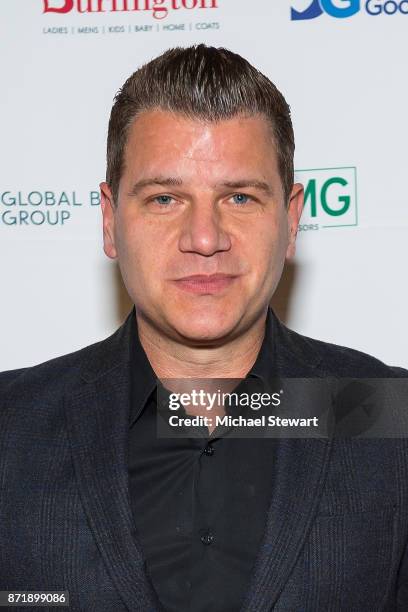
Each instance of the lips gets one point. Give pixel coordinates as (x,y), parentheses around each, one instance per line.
(206,283)
(206,277)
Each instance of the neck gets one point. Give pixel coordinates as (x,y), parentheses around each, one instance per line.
(171,359)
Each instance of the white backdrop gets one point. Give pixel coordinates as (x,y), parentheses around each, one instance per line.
(345,79)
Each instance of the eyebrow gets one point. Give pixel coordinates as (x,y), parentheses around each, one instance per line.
(149,182)
(244,184)
(175,181)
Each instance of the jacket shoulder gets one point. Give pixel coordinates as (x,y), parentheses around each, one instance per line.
(58,374)
(338,360)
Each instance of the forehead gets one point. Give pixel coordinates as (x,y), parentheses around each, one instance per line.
(158,138)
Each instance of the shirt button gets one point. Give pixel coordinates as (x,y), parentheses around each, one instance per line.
(209,450)
(207,539)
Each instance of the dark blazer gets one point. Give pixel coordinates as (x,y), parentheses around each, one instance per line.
(337,527)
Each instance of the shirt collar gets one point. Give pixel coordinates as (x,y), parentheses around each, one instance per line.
(142,376)
(264,366)
(144,380)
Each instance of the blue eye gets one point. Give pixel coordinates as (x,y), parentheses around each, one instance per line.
(163,199)
(240,198)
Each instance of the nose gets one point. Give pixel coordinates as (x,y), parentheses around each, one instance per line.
(202,231)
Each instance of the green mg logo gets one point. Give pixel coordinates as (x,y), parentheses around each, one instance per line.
(330,198)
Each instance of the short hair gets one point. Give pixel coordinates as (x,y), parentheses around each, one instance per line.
(200,82)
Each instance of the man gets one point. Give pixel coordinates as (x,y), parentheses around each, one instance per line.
(200,209)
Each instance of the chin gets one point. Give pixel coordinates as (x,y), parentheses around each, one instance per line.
(204,324)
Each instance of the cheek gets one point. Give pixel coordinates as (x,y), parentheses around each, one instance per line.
(133,238)
(142,251)
(268,244)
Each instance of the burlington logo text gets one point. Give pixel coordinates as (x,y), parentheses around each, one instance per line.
(159,8)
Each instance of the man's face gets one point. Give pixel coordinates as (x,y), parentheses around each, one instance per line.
(199,199)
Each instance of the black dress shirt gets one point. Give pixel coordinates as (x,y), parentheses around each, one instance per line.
(199,504)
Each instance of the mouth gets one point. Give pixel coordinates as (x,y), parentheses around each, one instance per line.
(206,283)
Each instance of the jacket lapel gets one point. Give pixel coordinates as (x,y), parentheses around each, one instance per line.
(298,482)
(98,421)
(298,478)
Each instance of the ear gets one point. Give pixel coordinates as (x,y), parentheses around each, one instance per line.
(108,215)
(294,212)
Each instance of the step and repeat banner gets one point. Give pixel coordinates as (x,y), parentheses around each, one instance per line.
(341,65)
